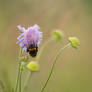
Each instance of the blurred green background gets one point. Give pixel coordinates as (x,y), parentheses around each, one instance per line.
(73,71)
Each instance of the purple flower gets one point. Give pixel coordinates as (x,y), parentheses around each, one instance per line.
(29,39)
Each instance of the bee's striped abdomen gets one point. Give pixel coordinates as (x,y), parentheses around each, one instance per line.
(32,50)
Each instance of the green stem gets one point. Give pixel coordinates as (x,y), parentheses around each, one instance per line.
(20,80)
(19,65)
(52,68)
(17,79)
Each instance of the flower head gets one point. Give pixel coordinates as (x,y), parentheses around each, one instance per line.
(74,42)
(33,66)
(29,39)
(58,34)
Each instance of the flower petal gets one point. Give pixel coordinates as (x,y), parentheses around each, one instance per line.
(21,28)
(36,27)
(20,36)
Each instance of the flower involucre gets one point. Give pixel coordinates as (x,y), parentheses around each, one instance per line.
(30,38)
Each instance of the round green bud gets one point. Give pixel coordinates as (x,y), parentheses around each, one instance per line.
(33,66)
(58,34)
(74,42)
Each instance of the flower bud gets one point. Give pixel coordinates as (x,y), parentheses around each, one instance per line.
(24,59)
(23,64)
(58,34)
(33,66)
(74,42)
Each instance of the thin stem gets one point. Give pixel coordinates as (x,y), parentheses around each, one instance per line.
(27,79)
(19,65)
(20,81)
(52,68)
(17,79)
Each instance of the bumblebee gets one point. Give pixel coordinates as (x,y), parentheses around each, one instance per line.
(32,50)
